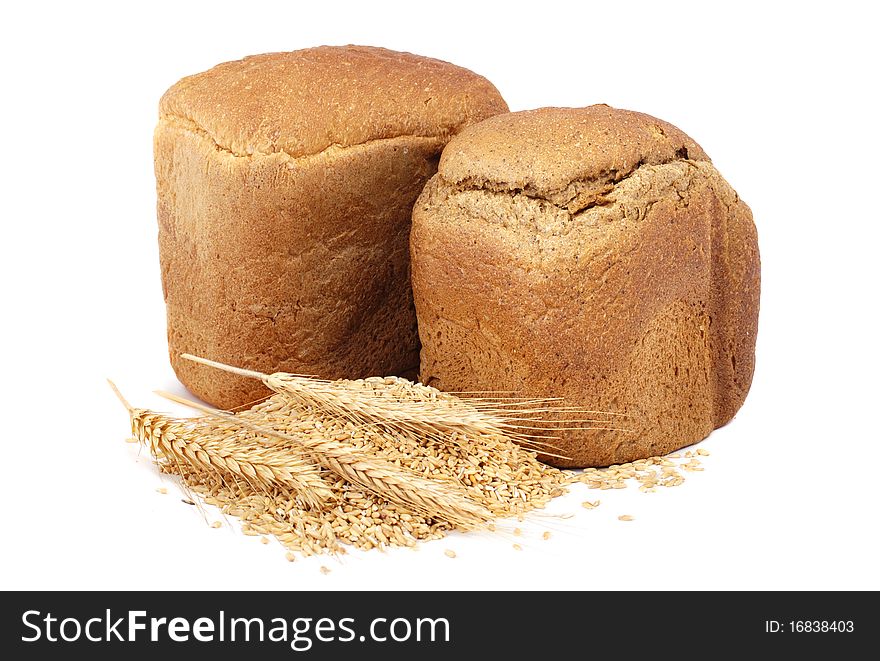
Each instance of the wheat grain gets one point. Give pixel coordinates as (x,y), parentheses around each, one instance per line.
(403,407)
(433,497)
(650,473)
(359,514)
(390,484)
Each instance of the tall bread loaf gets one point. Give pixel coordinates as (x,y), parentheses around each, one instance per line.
(285,188)
(593,254)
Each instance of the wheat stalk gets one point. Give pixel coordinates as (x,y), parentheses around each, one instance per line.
(211,447)
(362,406)
(400,406)
(437,499)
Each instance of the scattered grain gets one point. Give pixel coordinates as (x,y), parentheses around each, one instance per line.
(648,473)
(484,472)
(449,553)
(373,463)
(162,490)
(517,547)
(546,534)
(625,517)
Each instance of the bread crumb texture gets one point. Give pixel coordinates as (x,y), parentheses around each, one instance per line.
(593,254)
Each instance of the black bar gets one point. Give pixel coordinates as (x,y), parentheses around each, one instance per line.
(514,624)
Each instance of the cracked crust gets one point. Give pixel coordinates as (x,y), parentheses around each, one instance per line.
(644,302)
(567,156)
(285,187)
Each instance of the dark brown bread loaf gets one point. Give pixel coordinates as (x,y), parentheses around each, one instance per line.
(594,254)
(285,189)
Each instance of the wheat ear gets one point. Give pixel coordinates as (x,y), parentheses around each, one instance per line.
(439,500)
(212,448)
(437,417)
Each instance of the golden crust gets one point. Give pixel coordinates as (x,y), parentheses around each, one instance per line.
(568,156)
(295,257)
(644,302)
(304,101)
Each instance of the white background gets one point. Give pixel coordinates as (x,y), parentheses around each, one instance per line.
(783,98)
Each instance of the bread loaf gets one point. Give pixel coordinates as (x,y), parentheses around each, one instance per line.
(285,189)
(593,254)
